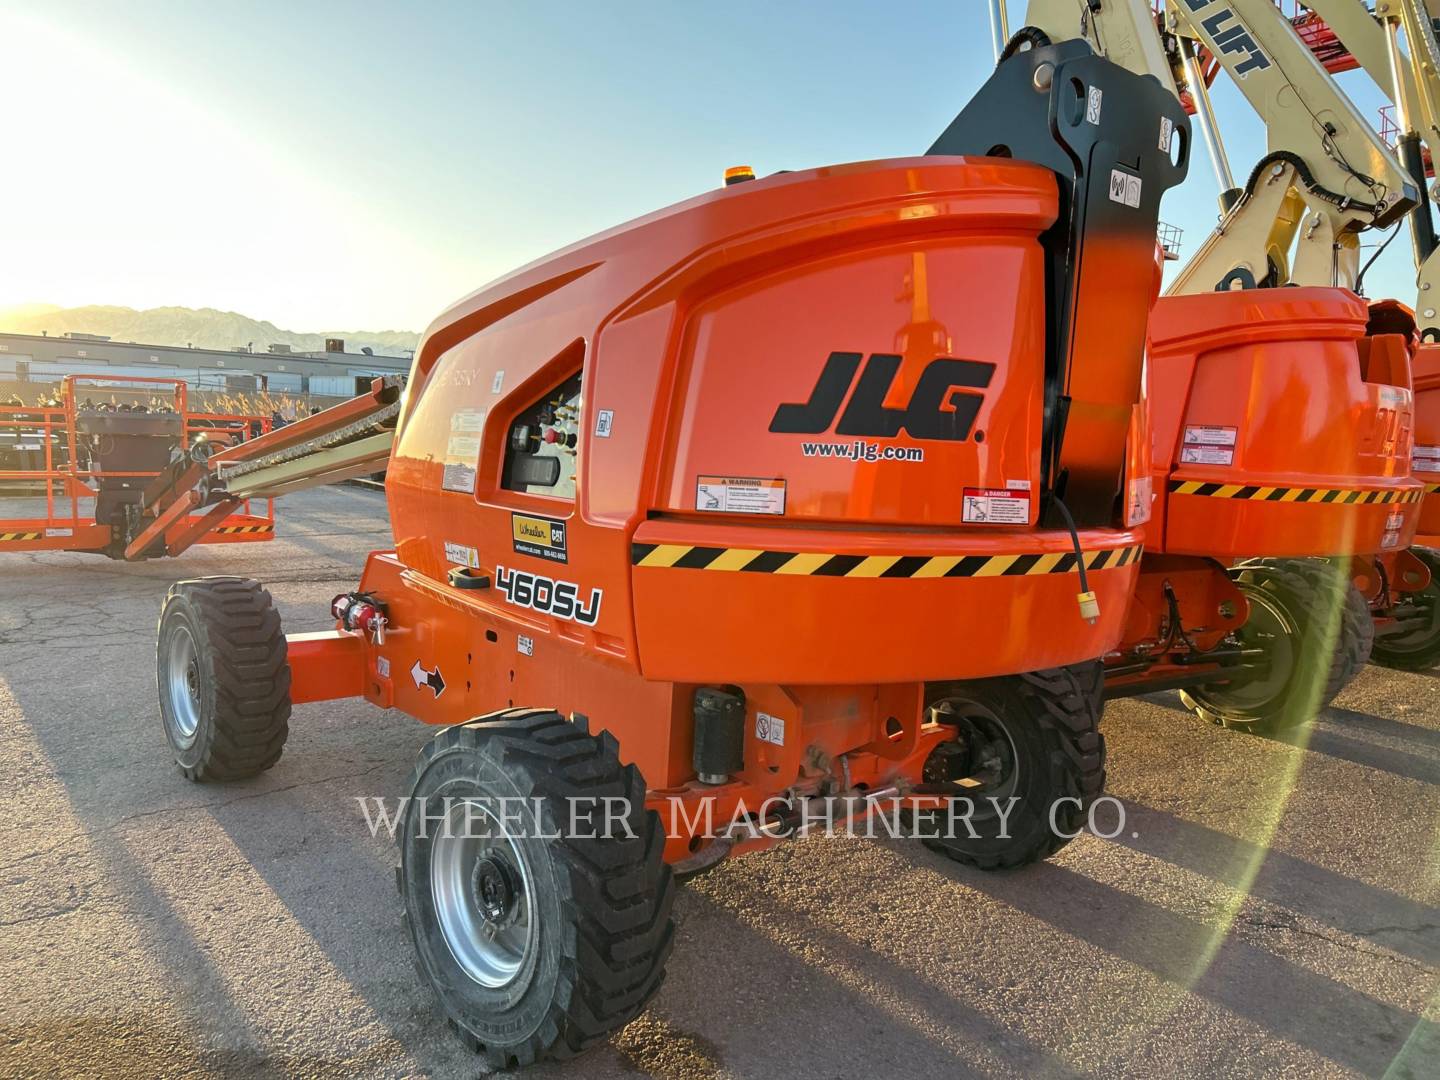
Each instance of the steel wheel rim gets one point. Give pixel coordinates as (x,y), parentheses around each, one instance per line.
(993,756)
(1268,624)
(182,681)
(1415,641)
(470,845)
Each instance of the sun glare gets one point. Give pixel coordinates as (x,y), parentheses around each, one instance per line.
(134,193)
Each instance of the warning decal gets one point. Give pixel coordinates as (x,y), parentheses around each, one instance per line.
(1426,458)
(1094,101)
(1207,444)
(471,420)
(1209,436)
(769,728)
(1202,454)
(462,448)
(1140,495)
(1124,188)
(458,477)
(996,506)
(462,451)
(739,495)
(462,555)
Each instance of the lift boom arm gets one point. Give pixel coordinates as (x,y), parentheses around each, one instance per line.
(1323,157)
(1412,82)
(1328,175)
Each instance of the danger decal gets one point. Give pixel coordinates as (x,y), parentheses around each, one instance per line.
(995,506)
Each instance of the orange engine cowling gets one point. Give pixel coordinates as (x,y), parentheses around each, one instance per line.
(824,389)
(1278,428)
(1426,461)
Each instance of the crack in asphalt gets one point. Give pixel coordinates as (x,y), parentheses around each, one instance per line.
(1262,924)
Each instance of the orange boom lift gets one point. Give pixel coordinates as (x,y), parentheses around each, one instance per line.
(1279,428)
(1399,583)
(758,499)
(161,481)
(95,468)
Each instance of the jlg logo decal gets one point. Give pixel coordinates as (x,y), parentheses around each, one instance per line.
(1233,38)
(558,598)
(937,409)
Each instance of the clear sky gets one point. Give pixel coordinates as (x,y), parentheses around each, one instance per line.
(356,165)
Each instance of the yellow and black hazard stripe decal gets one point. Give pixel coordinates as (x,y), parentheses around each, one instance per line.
(819,564)
(21,536)
(1348,496)
(1431,489)
(245,529)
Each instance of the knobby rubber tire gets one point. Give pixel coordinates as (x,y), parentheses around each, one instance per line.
(603,904)
(243,677)
(1333,632)
(1416,652)
(1054,729)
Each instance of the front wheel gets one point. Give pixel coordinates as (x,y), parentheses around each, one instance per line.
(1416,649)
(534,885)
(1315,631)
(223,678)
(1026,760)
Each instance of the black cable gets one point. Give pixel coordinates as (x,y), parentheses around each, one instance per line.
(1360,277)
(1031,36)
(1285,157)
(1074,539)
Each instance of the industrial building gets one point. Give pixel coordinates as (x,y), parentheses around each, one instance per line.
(30,365)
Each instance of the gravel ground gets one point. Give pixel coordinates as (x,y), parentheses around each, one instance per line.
(1268,909)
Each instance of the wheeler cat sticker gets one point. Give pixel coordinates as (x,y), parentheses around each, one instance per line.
(544,538)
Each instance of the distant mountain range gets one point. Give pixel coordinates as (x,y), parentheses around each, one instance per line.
(204,328)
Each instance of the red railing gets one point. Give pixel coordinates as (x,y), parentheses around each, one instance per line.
(1314,31)
(1390,135)
(55,455)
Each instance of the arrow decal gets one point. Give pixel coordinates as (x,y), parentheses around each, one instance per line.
(431,679)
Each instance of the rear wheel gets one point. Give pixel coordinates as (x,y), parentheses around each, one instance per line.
(1028,756)
(540,931)
(1416,649)
(223,679)
(1091,677)
(1315,631)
